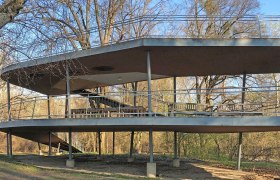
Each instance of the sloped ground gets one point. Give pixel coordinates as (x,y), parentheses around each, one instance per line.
(88,166)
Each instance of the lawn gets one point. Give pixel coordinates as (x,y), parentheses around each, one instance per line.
(11,169)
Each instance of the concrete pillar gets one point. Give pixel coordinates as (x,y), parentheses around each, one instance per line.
(131,159)
(239,151)
(50,143)
(70,162)
(40,150)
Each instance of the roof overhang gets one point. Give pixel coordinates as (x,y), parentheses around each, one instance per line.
(127,61)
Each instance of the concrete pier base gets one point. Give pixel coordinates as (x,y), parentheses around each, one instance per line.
(130,159)
(151,170)
(176,163)
(70,163)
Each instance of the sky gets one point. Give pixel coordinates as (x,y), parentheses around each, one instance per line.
(270,7)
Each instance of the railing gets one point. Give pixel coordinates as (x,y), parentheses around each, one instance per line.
(162,26)
(227,103)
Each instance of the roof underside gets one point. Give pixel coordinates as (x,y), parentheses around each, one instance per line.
(126,62)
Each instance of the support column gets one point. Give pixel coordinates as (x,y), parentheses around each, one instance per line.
(239,151)
(113,143)
(99,145)
(49,108)
(9,134)
(11,144)
(131,159)
(68,88)
(240,134)
(70,162)
(176,160)
(151,166)
(8,144)
(50,143)
(149,84)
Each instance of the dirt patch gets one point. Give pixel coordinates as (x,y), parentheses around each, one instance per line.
(118,165)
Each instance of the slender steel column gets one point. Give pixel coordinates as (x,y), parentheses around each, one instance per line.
(243,91)
(50,143)
(240,134)
(151,147)
(149,84)
(99,143)
(70,144)
(175,145)
(239,151)
(150,106)
(9,100)
(11,144)
(175,132)
(175,89)
(68,90)
(8,146)
(113,143)
(131,144)
(49,108)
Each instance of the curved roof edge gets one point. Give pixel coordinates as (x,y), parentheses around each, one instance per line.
(145,42)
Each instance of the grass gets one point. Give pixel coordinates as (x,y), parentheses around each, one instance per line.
(11,169)
(255,166)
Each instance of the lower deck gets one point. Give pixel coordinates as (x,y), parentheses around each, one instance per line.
(180,124)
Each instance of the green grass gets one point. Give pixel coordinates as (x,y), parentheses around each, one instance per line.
(11,169)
